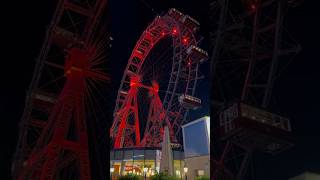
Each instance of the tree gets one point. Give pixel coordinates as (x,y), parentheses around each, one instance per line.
(163,176)
(204,177)
(130,177)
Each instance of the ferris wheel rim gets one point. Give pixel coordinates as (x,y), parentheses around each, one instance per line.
(166,25)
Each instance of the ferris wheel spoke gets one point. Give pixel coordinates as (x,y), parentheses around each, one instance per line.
(160,73)
(149,68)
(96,89)
(97,60)
(94,105)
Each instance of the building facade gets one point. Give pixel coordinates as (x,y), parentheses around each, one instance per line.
(196,143)
(134,160)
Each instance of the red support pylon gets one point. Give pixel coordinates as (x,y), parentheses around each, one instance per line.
(128,134)
(50,151)
(156,120)
(53,140)
(126,131)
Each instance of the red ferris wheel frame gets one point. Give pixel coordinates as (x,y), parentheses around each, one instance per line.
(184,72)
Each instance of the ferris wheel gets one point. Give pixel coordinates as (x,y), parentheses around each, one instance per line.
(159,82)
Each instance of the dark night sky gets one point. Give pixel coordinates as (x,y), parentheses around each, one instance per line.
(297,91)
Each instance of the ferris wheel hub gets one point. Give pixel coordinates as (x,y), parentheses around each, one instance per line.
(76,62)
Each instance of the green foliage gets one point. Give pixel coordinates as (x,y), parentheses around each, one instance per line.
(163,176)
(130,177)
(204,177)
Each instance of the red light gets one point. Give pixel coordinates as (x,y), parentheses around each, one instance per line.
(134,81)
(155,86)
(174,31)
(185,40)
(189,62)
(162,33)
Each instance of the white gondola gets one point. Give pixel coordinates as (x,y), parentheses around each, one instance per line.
(175,13)
(190,23)
(189,102)
(197,54)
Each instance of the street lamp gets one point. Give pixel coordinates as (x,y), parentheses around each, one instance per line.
(111,171)
(185,169)
(145,172)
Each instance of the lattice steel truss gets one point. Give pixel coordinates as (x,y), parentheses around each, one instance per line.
(74,46)
(250,45)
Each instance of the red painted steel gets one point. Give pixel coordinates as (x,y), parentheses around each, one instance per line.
(125,130)
(60,149)
(69,109)
(156,118)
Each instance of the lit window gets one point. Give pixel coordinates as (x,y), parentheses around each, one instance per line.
(200,172)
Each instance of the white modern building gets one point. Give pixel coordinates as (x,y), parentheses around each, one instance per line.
(196,143)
